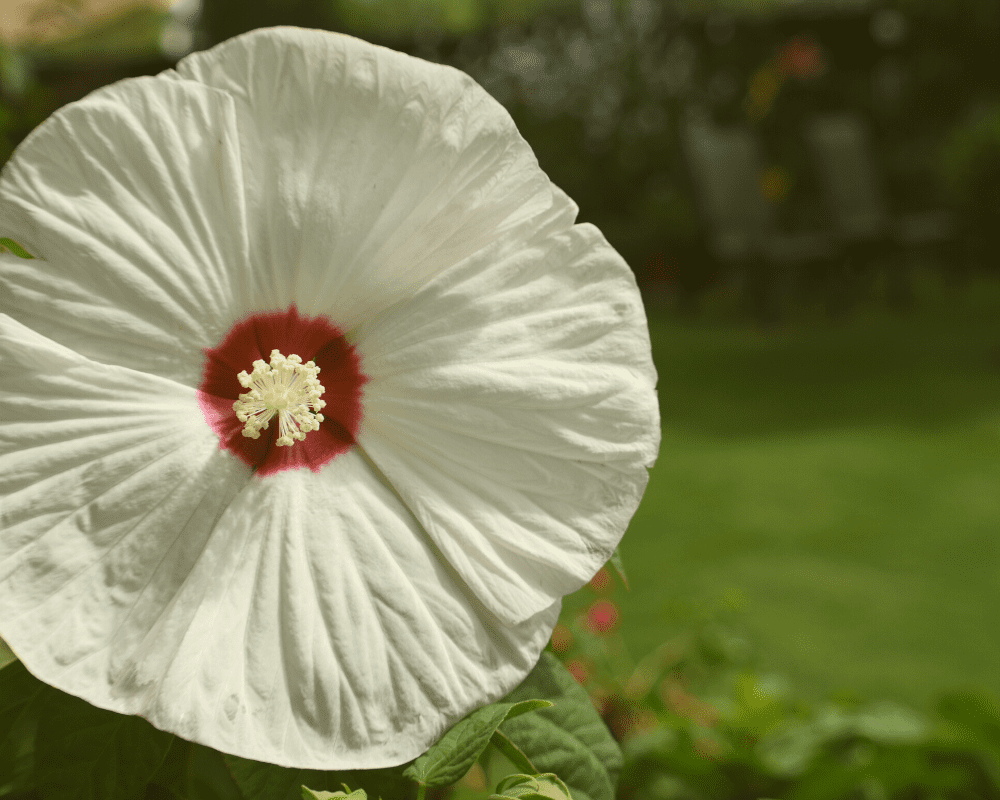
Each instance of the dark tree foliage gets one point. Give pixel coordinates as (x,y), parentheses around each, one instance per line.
(223,19)
(600,89)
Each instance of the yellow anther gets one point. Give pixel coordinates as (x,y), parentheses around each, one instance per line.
(286,387)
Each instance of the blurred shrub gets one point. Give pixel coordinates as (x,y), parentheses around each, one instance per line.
(699,721)
(970,166)
(597,88)
(39,76)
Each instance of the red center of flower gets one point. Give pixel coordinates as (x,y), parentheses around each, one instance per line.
(313,339)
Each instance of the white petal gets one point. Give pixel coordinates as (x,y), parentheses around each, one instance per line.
(111,484)
(367,171)
(320,630)
(132,201)
(511,404)
(303,620)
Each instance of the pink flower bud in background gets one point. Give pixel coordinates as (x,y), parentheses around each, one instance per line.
(602,616)
(802,58)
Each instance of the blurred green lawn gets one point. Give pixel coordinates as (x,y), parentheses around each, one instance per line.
(844,479)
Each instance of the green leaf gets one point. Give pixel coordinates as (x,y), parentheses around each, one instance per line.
(171,775)
(448,760)
(207,776)
(357,794)
(270,782)
(88,753)
(532,787)
(14,247)
(889,723)
(6,655)
(978,713)
(619,566)
(22,696)
(570,739)
(260,781)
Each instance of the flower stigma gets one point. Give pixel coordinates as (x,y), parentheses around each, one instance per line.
(285,387)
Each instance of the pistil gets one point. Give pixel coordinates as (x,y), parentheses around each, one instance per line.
(286,387)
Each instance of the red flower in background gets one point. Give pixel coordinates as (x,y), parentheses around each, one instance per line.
(802,58)
(602,616)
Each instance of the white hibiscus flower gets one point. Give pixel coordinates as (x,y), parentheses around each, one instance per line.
(461,400)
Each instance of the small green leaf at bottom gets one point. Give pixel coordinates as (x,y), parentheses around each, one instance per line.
(531,787)
(357,794)
(448,760)
(260,781)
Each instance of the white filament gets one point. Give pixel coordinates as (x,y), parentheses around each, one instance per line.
(286,387)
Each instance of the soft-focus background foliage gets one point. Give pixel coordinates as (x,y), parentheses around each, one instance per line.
(824,321)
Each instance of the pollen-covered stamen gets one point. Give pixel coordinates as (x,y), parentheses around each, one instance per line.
(286,387)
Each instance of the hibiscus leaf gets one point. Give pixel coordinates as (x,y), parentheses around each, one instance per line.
(270,782)
(171,775)
(87,753)
(261,781)
(569,739)
(21,697)
(14,247)
(6,655)
(357,794)
(207,776)
(448,760)
(531,787)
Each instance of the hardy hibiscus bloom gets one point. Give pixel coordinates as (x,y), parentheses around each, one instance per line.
(313,403)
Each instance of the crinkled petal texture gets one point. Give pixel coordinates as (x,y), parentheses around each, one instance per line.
(304,619)
(511,406)
(133,200)
(367,171)
(343,618)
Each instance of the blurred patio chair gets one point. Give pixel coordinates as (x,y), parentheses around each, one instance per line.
(852,189)
(740,224)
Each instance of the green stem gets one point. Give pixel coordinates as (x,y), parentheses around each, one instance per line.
(421,791)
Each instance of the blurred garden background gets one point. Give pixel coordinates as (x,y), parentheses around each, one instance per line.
(809,194)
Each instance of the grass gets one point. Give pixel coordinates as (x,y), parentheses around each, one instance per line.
(845,480)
